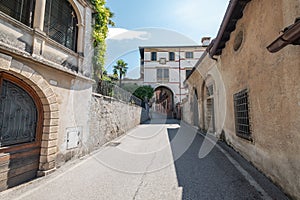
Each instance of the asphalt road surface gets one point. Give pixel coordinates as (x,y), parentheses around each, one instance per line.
(159,160)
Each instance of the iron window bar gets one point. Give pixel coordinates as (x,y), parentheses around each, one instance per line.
(61,23)
(21,10)
(242,120)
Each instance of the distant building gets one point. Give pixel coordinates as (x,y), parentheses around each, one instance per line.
(165,68)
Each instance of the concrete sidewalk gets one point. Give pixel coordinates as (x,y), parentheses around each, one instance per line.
(153,161)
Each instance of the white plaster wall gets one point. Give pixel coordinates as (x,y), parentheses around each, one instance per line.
(151,64)
(174,75)
(147,56)
(198,54)
(162,55)
(149,75)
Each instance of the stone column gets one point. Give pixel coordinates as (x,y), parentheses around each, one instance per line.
(80,47)
(80,38)
(38,25)
(39,15)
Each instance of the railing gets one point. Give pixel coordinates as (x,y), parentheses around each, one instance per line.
(112,90)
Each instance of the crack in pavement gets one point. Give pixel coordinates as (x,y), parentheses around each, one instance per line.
(143,177)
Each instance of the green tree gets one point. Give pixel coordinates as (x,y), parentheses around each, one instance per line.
(144,92)
(121,69)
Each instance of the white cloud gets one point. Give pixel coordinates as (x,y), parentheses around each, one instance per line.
(200,13)
(124,34)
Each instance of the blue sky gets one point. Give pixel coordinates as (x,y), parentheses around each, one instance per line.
(159,22)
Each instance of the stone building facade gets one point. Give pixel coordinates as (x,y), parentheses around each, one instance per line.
(45,85)
(255,91)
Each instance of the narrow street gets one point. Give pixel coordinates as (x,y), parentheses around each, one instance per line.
(140,165)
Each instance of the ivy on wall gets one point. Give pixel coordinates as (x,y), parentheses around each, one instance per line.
(102,17)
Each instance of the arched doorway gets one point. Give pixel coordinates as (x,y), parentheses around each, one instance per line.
(21,119)
(163,101)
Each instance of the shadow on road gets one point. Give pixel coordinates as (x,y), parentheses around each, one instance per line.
(212,177)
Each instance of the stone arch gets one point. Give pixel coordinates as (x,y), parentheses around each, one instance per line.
(166,101)
(81,25)
(165,86)
(77,11)
(50,109)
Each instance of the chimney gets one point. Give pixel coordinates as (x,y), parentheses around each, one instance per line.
(205,41)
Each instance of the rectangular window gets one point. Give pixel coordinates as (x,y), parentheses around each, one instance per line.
(189,55)
(241,108)
(153,56)
(162,75)
(171,56)
(188,72)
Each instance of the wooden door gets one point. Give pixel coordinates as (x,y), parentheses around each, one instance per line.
(20,132)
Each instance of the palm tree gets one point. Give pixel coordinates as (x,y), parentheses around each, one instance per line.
(121,69)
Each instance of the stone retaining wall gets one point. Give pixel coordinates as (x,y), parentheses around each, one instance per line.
(110,118)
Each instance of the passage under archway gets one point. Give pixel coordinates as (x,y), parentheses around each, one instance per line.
(163,102)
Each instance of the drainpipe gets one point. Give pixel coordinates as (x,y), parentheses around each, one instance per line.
(179,67)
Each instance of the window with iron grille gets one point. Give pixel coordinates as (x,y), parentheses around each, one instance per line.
(21,10)
(241,106)
(61,23)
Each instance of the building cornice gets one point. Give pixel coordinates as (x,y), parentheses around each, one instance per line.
(233,13)
(10,50)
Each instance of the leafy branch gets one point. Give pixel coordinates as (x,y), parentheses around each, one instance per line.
(102,18)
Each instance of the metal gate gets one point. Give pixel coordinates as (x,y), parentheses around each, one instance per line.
(19,127)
